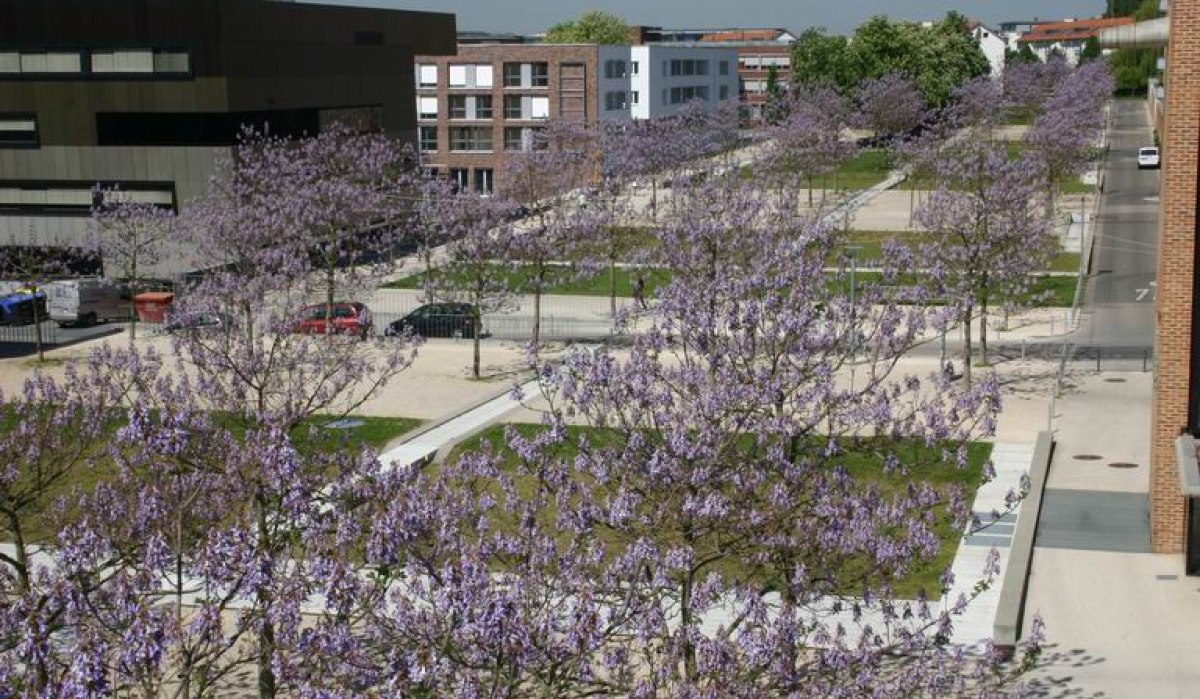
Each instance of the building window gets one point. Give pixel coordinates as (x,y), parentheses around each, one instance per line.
(512,74)
(514,139)
(458,106)
(614,69)
(427,138)
(512,106)
(460,177)
(80,198)
(172,62)
(471,138)
(458,76)
(427,75)
(122,62)
(614,101)
(689,66)
(633,96)
(40,62)
(483,106)
(539,75)
(427,107)
(539,108)
(18,131)
(633,67)
(483,76)
(723,68)
(724,92)
(483,180)
(679,95)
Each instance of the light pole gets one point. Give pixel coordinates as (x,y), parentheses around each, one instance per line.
(853,251)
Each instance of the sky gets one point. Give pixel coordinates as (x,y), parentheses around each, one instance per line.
(838,16)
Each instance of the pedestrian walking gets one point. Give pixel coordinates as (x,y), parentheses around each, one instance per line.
(639,291)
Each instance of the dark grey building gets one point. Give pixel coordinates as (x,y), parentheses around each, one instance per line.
(143,94)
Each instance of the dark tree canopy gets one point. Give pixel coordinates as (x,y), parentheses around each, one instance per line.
(1132,68)
(1122,8)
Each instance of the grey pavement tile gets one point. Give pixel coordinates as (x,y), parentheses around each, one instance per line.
(1094,520)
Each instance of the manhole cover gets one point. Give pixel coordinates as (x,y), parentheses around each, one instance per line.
(1115,380)
(1122,464)
(1088,457)
(350,423)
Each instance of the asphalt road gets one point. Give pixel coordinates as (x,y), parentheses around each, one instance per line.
(1119,305)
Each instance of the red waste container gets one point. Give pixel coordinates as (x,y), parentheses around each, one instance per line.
(152,306)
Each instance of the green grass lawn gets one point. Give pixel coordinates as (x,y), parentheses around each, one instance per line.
(866,466)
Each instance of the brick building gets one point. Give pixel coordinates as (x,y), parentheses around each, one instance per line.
(489,99)
(1175,411)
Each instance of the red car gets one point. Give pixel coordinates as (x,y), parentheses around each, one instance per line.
(349,318)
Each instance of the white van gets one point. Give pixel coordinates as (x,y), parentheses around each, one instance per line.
(86,301)
(1148,158)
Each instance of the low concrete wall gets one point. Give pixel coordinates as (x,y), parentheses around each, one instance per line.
(1007,629)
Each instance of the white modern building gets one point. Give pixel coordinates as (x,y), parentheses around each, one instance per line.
(647,81)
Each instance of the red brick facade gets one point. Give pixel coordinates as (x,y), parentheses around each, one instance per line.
(1176,256)
(572,87)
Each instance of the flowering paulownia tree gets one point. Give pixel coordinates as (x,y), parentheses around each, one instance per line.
(551,234)
(479,234)
(808,143)
(986,235)
(284,224)
(1063,136)
(132,235)
(697,539)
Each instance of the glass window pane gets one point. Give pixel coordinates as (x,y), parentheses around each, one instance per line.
(483,76)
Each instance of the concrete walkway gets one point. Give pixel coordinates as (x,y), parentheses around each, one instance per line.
(1121,621)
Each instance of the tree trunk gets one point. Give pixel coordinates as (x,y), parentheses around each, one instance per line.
(475,342)
(967,346)
(983,318)
(537,318)
(266,637)
(329,279)
(133,276)
(612,287)
(37,326)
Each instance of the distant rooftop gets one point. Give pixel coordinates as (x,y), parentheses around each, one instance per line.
(1071,30)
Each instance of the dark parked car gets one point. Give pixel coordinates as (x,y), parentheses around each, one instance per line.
(349,318)
(437,320)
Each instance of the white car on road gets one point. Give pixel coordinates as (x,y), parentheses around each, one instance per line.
(1148,158)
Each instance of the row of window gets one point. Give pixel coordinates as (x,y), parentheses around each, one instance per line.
(619,99)
(477,138)
(480,107)
(692,66)
(781,61)
(481,75)
(620,69)
(79,197)
(118,62)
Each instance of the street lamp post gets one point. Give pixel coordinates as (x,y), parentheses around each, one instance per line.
(853,251)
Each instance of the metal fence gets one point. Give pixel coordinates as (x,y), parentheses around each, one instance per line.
(27,334)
